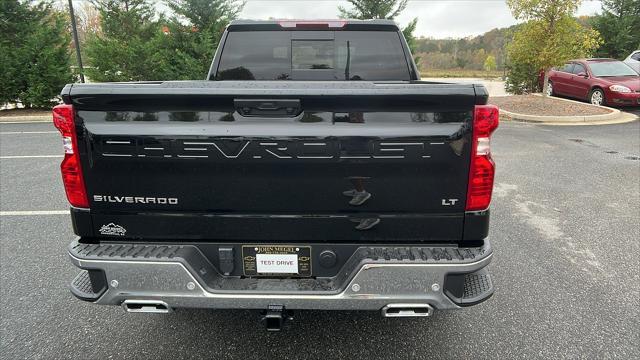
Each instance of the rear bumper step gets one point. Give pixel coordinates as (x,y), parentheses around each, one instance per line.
(160,277)
(84,288)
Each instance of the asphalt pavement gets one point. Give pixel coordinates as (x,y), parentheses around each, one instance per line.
(564,228)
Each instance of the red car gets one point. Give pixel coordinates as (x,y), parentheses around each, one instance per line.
(599,81)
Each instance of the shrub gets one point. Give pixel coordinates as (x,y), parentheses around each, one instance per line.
(522,79)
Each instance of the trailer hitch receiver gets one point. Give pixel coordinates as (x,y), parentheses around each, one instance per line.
(275,316)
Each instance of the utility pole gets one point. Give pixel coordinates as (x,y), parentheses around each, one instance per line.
(74,29)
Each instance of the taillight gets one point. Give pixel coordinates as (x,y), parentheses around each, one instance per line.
(63,119)
(482,169)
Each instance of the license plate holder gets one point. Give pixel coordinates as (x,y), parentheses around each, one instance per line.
(276,260)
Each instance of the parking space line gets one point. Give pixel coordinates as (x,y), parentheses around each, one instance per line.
(31,213)
(27,132)
(30,156)
(26,122)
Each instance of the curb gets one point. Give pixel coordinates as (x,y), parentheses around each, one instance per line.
(26,119)
(615,114)
(625,118)
(614,117)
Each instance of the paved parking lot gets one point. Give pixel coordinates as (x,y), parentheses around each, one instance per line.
(564,228)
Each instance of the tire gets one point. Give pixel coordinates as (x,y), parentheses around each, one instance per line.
(550,91)
(596,97)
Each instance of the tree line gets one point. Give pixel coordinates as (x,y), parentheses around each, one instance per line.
(130,40)
(121,40)
(466,53)
(618,29)
(124,40)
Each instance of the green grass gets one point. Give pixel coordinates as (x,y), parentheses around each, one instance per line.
(461,73)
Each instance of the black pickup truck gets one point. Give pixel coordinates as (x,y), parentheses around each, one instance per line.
(312,169)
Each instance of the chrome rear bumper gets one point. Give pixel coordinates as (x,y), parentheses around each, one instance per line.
(373,284)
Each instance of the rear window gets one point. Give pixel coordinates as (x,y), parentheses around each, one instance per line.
(294,55)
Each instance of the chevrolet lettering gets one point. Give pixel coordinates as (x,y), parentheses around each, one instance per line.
(243,150)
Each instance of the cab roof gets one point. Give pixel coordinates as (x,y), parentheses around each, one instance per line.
(309,24)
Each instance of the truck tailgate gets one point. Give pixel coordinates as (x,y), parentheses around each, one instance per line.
(275,161)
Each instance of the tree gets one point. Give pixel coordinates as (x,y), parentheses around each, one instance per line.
(373,9)
(381,9)
(34,53)
(122,50)
(196,30)
(88,20)
(550,36)
(137,44)
(619,26)
(411,39)
(490,63)
(210,16)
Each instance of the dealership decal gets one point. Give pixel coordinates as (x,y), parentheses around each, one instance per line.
(112,229)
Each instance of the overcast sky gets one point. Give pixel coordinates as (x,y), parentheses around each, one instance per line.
(436,18)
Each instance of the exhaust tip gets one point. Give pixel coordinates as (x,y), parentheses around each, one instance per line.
(146,306)
(407,310)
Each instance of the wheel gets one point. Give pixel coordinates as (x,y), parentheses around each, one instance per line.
(550,89)
(597,97)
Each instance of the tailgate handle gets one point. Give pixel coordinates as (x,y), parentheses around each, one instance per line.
(268,107)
